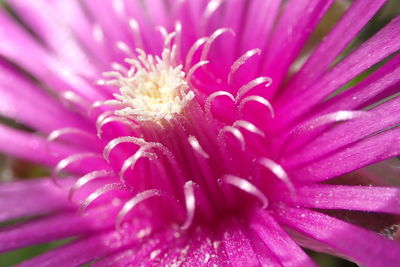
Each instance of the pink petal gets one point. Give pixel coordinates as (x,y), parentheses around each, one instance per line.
(362,246)
(87,249)
(25,51)
(55,227)
(34,148)
(362,153)
(24,102)
(47,22)
(359,13)
(237,245)
(384,116)
(378,47)
(364,198)
(366,91)
(298,20)
(287,251)
(33,197)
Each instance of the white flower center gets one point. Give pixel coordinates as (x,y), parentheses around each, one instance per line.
(154,88)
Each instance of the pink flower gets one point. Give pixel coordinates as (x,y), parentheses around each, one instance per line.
(198,147)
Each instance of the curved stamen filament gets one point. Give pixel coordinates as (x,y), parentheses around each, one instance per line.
(99,192)
(249,127)
(194,143)
(125,121)
(252,84)
(119,140)
(210,9)
(278,171)
(194,68)
(86,179)
(64,163)
(240,61)
(236,133)
(258,99)
(192,51)
(66,131)
(137,36)
(246,186)
(190,203)
(131,161)
(130,204)
(211,40)
(210,98)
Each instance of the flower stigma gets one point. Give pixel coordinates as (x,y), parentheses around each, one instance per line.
(154,88)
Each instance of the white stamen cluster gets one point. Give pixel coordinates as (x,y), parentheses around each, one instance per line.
(154,88)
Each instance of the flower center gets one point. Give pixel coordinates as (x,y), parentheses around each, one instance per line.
(199,151)
(154,88)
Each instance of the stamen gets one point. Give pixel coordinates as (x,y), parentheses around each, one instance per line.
(77,101)
(178,37)
(252,84)
(62,164)
(155,88)
(119,8)
(119,140)
(99,192)
(190,203)
(125,121)
(168,39)
(240,61)
(137,36)
(258,99)
(86,179)
(249,127)
(131,161)
(118,67)
(65,131)
(130,204)
(279,172)
(210,98)
(236,133)
(123,47)
(247,187)
(197,147)
(192,51)
(97,33)
(210,9)
(110,102)
(163,31)
(211,40)
(194,68)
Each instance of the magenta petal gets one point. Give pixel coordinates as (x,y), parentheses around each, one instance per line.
(359,13)
(378,47)
(364,198)
(378,119)
(362,246)
(26,103)
(294,27)
(48,24)
(27,198)
(85,250)
(204,248)
(31,147)
(237,245)
(365,92)
(286,250)
(55,227)
(25,51)
(362,153)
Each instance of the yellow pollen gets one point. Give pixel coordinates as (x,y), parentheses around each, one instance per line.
(154,88)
